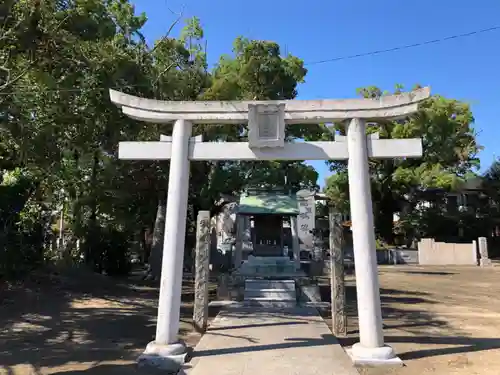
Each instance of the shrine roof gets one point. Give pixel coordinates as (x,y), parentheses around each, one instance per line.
(268,203)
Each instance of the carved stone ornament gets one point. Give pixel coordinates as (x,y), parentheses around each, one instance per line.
(266,125)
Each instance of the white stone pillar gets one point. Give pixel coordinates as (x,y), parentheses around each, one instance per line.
(294,227)
(371,345)
(167,327)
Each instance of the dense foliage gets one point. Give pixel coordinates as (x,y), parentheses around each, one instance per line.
(60,132)
(450,156)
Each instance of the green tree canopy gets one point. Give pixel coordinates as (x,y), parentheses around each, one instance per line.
(60,131)
(449,154)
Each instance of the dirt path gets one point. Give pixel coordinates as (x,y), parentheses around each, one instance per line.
(440,320)
(80,325)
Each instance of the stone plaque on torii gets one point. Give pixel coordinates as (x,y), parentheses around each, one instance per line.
(267,121)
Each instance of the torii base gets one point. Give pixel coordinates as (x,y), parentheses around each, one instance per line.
(170,357)
(383,356)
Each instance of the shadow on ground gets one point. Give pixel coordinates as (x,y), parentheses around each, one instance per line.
(262,319)
(52,320)
(432,273)
(413,320)
(292,342)
(103,370)
(403,318)
(461,344)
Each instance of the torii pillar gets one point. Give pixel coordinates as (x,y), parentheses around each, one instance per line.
(267,121)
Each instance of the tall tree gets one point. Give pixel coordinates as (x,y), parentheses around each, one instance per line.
(258,71)
(60,132)
(58,59)
(449,154)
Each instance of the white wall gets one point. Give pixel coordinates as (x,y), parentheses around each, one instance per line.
(442,253)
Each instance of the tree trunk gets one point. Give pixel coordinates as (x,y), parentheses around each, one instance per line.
(385,218)
(93,254)
(387,205)
(190,244)
(155,259)
(145,244)
(76,199)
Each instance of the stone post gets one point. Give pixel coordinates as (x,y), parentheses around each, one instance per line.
(238,250)
(223,293)
(306,219)
(371,345)
(294,226)
(166,344)
(337,282)
(247,229)
(200,311)
(484,260)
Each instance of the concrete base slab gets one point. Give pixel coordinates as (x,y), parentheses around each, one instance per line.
(262,340)
(223,303)
(317,305)
(169,358)
(375,362)
(485,262)
(270,303)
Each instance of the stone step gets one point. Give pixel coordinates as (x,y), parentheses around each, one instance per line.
(270,284)
(269,299)
(271,290)
(270,293)
(274,294)
(270,303)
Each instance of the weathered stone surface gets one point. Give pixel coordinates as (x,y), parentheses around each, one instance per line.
(337,283)
(484,261)
(483,247)
(200,311)
(297,111)
(223,292)
(238,251)
(306,218)
(266,125)
(158,358)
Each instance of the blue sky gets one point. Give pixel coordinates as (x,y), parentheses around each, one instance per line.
(467,68)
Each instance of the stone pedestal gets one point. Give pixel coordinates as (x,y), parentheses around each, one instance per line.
(484,260)
(169,358)
(380,356)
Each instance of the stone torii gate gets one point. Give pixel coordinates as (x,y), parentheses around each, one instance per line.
(267,121)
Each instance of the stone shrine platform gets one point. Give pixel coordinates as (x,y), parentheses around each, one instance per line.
(257,340)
